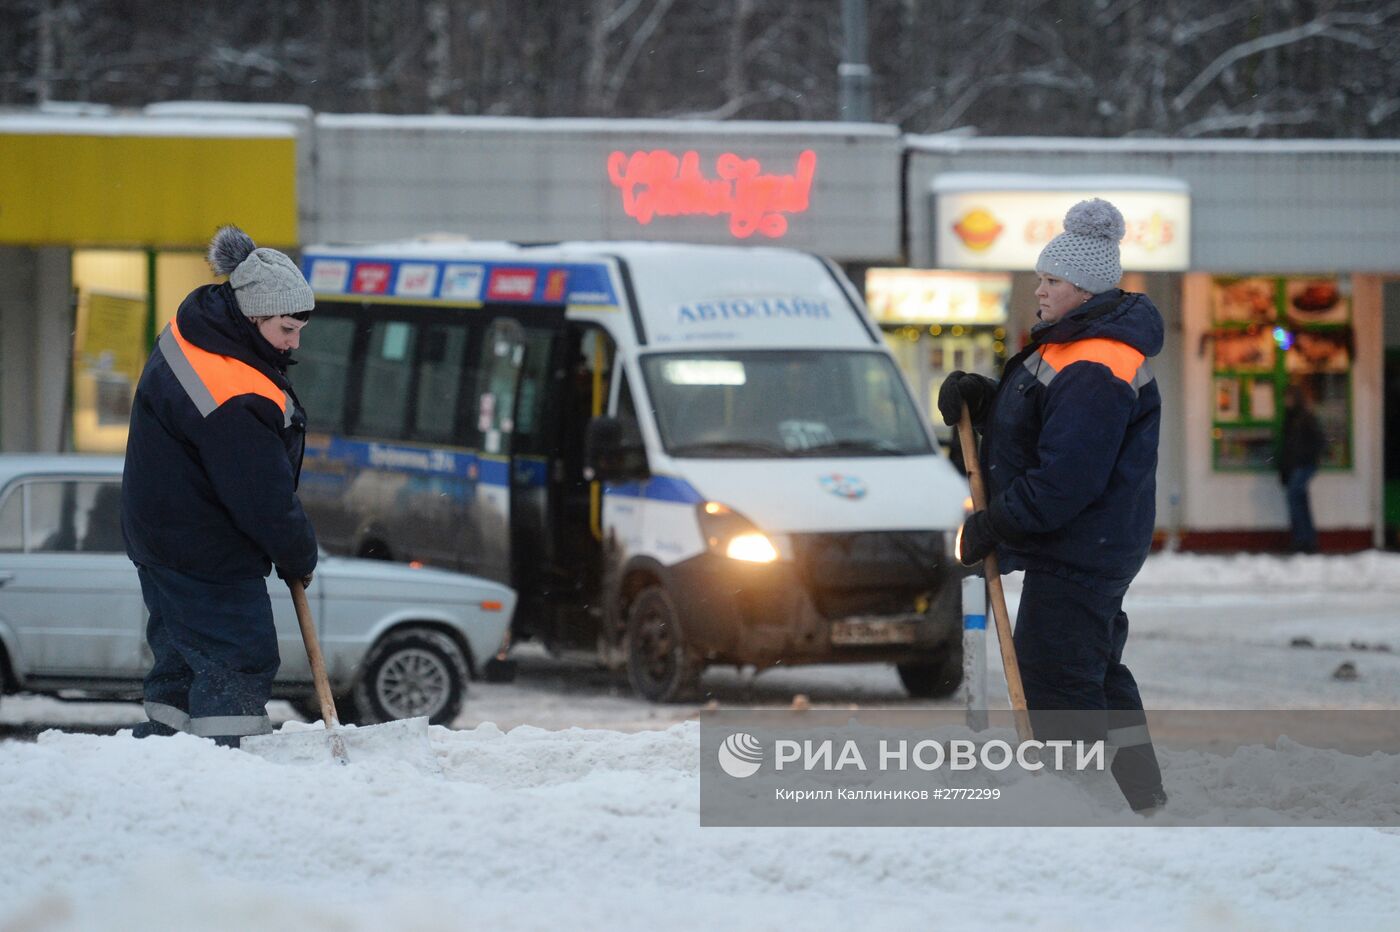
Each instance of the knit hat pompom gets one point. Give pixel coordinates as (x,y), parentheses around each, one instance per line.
(229,247)
(265,282)
(1086,253)
(1095,217)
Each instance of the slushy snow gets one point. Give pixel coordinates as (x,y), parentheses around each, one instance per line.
(589,828)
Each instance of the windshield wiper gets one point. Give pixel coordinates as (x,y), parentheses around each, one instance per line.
(880,447)
(721,447)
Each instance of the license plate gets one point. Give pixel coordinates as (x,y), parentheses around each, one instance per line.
(874,631)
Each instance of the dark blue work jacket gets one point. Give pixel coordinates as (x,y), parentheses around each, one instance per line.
(1070,445)
(214,452)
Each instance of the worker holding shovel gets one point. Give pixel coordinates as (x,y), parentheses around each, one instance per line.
(1070,452)
(209,500)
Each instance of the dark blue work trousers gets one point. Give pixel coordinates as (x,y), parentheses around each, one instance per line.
(215,650)
(1069,645)
(1300,520)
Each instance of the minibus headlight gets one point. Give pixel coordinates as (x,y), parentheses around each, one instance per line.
(752,547)
(729,534)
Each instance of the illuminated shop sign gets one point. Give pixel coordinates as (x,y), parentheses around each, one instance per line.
(1006,229)
(925,296)
(660,183)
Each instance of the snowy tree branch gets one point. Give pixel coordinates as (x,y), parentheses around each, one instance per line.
(1322,26)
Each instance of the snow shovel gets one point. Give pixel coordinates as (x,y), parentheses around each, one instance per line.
(403,740)
(994,590)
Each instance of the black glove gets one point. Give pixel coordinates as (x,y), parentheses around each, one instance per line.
(965,388)
(287,578)
(976,539)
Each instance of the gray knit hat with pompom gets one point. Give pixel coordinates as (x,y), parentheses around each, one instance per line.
(265,282)
(1086,253)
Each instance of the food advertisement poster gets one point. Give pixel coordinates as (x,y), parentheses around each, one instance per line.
(1245,300)
(1227,398)
(1268,332)
(1244,350)
(1316,301)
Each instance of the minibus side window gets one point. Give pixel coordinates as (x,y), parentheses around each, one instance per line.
(532,392)
(441,375)
(388,375)
(321,379)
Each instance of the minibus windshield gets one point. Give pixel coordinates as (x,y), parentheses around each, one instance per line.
(782,404)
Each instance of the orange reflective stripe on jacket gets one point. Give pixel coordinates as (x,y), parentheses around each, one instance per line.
(211,379)
(1121,359)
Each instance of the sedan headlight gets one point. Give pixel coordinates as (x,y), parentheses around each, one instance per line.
(731,535)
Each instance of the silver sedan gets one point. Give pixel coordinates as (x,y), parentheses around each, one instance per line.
(399,641)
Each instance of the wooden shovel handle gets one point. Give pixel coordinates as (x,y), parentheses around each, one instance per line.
(996,596)
(313,654)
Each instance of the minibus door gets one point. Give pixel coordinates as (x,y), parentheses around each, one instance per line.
(502,358)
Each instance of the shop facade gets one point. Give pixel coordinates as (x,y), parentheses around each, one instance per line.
(103,225)
(1274,263)
(103,219)
(1269,262)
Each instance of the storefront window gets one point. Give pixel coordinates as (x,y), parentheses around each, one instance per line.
(113,332)
(936,322)
(1269,333)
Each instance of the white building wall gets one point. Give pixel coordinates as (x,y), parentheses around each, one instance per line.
(36,348)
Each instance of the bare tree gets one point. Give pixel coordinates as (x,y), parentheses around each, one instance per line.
(1256,68)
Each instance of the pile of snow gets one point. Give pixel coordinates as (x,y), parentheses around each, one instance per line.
(1372,570)
(537,829)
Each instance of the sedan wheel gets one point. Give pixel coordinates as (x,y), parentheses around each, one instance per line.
(413,672)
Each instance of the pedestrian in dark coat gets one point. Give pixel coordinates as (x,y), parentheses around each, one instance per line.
(1069,444)
(209,500)
(1300,453)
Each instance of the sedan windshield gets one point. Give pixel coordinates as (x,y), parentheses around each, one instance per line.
(782,404)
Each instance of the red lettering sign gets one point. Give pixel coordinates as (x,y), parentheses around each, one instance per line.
(661,184)
(371,278)
(511,284)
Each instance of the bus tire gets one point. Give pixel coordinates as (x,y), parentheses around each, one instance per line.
(660,665)
(937,678)
(412,672)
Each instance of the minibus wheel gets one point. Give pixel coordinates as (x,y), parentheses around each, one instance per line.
(937,678)
(659,663)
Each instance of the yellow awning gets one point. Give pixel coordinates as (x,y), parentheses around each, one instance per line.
(145,190)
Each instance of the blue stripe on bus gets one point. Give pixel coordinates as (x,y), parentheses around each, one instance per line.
(657,489)
(494,472)
(417,461)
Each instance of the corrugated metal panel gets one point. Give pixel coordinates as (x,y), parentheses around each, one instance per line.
(1269,208)
(550,181)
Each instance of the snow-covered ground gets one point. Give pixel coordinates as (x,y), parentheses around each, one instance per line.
(539,823)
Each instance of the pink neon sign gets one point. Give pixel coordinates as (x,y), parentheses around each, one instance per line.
(661,184)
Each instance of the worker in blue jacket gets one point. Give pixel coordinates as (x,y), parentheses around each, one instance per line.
(1069,448)
(209,502)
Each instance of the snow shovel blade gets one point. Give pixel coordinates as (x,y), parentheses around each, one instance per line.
(404,740)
